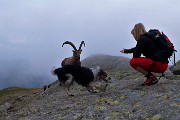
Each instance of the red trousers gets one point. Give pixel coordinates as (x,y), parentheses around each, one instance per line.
(146,63)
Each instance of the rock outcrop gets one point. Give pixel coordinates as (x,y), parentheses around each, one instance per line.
(176,68)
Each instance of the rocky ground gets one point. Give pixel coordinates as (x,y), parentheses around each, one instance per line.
(124,99)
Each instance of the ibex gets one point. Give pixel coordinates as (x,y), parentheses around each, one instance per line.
(75,59)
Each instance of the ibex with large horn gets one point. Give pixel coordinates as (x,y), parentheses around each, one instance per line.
(75,59)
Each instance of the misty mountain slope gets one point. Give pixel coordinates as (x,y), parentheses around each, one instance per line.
(123,99)
(116,66)
(108,62)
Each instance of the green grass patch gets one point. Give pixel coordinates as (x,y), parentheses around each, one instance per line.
(12,92)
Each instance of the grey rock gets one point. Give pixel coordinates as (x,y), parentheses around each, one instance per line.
(5,107)
(176,68)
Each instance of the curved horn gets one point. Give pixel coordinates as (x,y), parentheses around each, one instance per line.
(70,43)
(82,42)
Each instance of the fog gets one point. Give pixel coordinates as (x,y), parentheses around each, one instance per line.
(32,32)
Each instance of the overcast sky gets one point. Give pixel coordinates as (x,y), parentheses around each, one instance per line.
(32,32)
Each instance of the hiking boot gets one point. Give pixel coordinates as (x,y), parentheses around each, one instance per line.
(151,80)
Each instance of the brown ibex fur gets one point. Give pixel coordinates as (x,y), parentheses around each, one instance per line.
(75,59)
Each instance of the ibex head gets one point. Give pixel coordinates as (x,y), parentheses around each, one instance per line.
(76,53)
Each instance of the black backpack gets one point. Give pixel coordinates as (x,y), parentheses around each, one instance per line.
(166,47)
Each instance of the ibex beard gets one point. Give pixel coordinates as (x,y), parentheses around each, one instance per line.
(81,75)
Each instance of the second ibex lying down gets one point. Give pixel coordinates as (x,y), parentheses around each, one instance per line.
(75,59)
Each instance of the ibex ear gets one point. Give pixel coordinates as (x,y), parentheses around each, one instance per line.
(73,51)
